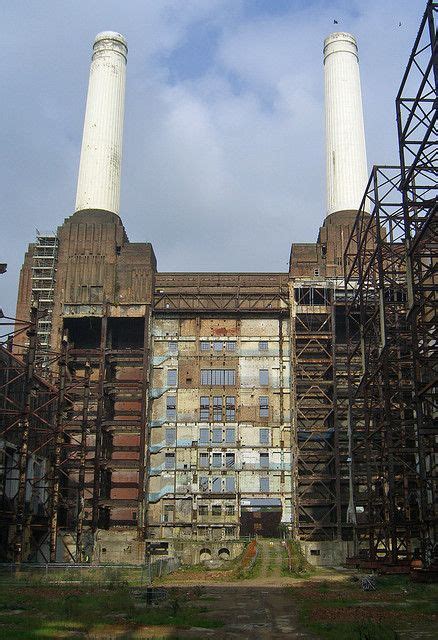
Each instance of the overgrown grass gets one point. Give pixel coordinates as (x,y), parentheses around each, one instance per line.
(336,610)
(298,566)
(57,612)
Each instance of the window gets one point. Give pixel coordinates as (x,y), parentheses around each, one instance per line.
(217,460)
(229,460)
(216,484)
(205,346)
(172,346)
(168,513)
(172,377)
(217,408)
(170,435)
(204,436)
(171,407)
(230,435)
(218,377)
(264,436)
(264,377)
(229,510)
(230,484)
(204,409)
(230,410)
(217,345)
(216,510)
(203,483)
(263,406)
(203,460)
(264,484)
(217,435)
(169,461)
(264,461)
(263,345)
(231,346)
(203,509)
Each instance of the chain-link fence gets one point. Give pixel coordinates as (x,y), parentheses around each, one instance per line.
(106,575)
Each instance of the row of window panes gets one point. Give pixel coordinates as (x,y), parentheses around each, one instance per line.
(172,377)
(217,435)
(216,408)
(216,510)
(217,485)
(217,345)
(217,460)
(218,377)
(217,413)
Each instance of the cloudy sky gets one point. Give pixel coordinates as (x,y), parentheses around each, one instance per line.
(224,136)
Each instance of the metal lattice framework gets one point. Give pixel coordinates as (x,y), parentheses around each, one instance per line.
(417,109)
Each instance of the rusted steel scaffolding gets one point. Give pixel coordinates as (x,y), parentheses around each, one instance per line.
(417,108)
(386,477)
(31,413)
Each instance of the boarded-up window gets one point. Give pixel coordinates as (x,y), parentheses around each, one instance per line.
(264,436)
(264,484)
(264,377)
(172,377)
(170,435)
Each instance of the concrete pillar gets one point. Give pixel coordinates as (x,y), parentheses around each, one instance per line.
(347,173)
(101,153)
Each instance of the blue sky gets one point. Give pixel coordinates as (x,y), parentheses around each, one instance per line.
(224,135)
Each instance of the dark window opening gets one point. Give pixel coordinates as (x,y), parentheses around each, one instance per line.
(125,333)
(83,333)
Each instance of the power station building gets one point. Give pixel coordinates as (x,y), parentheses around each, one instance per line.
(202,407)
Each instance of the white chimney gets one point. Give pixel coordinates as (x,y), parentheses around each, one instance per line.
(347,173)
(101,153)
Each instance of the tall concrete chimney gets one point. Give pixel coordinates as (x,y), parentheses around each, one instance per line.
(101,153)
(347,173)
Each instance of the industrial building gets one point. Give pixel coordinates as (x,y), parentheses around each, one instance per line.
(194,409)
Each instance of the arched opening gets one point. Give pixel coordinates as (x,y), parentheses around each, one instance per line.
(224,554)
(204,554)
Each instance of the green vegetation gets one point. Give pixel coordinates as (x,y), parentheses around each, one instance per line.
(62,611)
(296,564)
(337,610)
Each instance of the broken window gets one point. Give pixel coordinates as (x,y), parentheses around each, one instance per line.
(264,436)
(216,484)
(230,484)
(216,510)
(171,407)
(231,408)
(264,461)
(218,377)
(230,435)
(264,484)
(229,510)
(264,377)
(203,509)
(203,483)
(172,377)
(217,408)
(217,460)
(169,461)
(263,406)
(229,460)
(170,435)
(204,436)
(263,345)
(168,513)
(204,408)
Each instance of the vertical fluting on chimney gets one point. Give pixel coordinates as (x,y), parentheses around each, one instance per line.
(346,161)
(101,152)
